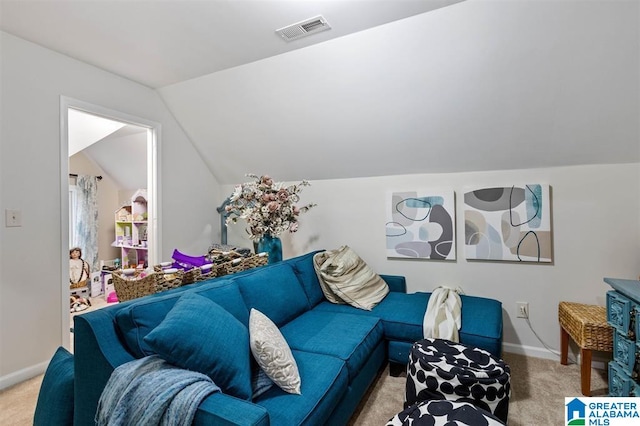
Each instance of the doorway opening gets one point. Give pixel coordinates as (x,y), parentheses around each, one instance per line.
(119,156)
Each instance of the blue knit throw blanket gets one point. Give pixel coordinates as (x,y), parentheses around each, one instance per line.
(150,391)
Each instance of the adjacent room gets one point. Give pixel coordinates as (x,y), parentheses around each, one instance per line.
(354,190)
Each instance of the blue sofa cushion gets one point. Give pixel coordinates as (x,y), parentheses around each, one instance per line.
(306,273)
(275,291)
(395,282)
(55,400)
(402,316)
(324,382)
(138,319)
(199,335)
(348,337)
(484,316)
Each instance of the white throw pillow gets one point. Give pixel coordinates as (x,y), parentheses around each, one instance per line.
(272,352)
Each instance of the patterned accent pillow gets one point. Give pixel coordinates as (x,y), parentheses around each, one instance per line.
(272,352)
(346,278)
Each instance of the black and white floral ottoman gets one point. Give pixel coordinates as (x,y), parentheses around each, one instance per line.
(444,413)
(440,369)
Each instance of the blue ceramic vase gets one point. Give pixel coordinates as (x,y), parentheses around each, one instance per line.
(272,246)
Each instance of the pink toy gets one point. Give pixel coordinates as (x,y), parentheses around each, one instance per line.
(112,297)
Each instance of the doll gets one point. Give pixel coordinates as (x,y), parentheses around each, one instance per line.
(78,303)
(78,268)
(78,276)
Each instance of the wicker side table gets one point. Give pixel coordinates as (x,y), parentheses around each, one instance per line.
(587,326)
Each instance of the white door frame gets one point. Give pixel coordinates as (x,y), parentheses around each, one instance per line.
(153,188)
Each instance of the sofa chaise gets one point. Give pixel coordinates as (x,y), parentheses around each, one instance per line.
(339,349)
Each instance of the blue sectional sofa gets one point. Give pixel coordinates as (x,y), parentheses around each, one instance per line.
(339,349)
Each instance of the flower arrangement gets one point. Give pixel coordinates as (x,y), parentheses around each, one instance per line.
(268,207)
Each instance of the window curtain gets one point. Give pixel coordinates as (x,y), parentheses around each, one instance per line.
(86,214)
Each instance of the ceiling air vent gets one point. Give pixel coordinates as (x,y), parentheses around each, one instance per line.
(304,28)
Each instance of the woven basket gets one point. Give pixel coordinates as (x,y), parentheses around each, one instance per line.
(132,289)
(208,275)
(255,260)
(587,325)
(158,268)
(169,281)
(79,284)
(241,264)
(236,265)
(188,277)
(191,276)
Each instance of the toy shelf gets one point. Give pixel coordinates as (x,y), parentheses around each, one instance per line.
(131,231)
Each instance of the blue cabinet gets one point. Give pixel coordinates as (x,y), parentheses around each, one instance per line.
(625,354)
(621,314)
(619,382)
(623,306)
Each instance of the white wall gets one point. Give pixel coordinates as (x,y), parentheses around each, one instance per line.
(123,157)
(32,81)
(596,234)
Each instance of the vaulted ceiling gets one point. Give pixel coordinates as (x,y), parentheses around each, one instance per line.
(158,43)
(394,87)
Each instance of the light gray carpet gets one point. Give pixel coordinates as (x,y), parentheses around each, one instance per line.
(538,389)
(537,397)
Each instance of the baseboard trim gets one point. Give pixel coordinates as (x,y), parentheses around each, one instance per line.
(532,351)
(537,352)
(22,375)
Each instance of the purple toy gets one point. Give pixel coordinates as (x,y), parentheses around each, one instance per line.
(184,261)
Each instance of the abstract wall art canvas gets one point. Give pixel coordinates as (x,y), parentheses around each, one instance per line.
(510,223)
(421,225)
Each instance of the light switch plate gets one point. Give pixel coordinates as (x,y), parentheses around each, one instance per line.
(13,218)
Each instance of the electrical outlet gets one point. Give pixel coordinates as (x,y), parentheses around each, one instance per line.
(522,309)
(13,218)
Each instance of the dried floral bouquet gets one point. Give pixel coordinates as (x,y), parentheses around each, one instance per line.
(268,207)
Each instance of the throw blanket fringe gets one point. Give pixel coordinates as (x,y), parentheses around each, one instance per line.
(443,317)
(150,391)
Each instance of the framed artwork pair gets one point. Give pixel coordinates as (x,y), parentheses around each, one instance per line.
(506,223)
